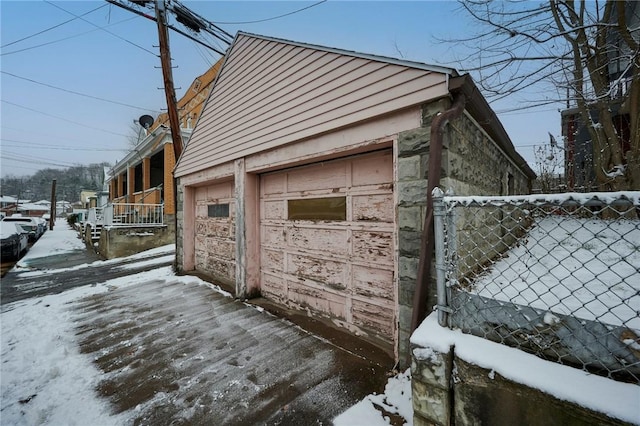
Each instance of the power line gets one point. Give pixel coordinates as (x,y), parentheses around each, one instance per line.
(18,143)
(10,156)
(272,18)
(526,107)
(195,22)
(103,29)
(64,38)
(50,28)
(21,167)
(45,134)
(78,93)
(63,119)
(139,13)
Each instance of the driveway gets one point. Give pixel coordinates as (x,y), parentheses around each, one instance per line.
(177,350)
(182,353)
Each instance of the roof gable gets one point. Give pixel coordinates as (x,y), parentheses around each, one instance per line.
(272,92)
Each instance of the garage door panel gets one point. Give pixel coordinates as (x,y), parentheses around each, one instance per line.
(220,248)
(221,229)
(372,282)
(305,294)
(273,210)
(377,169)
(273,184)
(221,269)
(329,240)
(201,211)
(273,287)
(373,208)
(326,175)
(201,230)
(200,194)
(222,191)
(323,271)
(201,260)
(272,260)
(372,316)
(376,247)
(273,235)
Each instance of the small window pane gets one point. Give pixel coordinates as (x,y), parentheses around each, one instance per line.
(218,210)
(334,208)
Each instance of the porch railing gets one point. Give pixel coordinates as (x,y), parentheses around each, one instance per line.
(133,214)
(95,215)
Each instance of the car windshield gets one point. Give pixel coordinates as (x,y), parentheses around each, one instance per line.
(16,219)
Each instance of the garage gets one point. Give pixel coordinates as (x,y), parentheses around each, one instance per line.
(215,244)
(327,241)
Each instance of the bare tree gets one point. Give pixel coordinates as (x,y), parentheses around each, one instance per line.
(584,53)
(135,135)
(548,163)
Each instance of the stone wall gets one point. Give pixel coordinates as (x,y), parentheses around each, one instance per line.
(447,389)
(413,159)
(476,165)
(121,242)
(472,164)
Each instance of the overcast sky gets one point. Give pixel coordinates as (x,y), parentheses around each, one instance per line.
(110,56)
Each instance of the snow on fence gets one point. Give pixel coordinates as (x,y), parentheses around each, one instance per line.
(554,275)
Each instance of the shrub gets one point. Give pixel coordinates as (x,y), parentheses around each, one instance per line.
(72,219)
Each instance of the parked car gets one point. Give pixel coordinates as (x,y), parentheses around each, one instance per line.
(42,223)
(27,223)
(14,240)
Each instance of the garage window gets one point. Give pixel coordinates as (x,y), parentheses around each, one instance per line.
(218,210)
(333,208)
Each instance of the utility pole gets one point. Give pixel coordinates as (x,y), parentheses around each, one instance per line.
(165,60)
(52,212)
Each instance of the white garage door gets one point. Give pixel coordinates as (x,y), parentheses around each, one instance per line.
(327,241)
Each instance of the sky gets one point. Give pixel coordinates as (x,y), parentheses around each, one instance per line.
(108,57)
(40,351)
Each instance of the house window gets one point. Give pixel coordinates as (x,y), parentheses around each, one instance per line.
(218,210)
(334,208)
(196,85)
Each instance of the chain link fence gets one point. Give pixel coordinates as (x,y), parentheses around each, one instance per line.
(554,275)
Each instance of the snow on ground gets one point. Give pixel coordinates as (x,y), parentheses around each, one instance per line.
(395,400)
(585,268)
(616,399)
(64,239)
(61,239)
(42,366)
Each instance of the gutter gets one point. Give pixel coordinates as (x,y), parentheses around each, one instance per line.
(433,180)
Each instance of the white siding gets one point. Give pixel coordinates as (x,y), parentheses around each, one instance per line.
(270,93)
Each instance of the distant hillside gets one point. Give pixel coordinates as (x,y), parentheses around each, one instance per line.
(69,183)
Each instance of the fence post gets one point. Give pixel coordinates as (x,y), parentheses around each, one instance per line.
(107,215)
(438,235)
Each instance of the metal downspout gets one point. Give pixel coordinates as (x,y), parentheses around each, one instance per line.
(433,179)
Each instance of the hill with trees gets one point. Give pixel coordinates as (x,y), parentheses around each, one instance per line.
(69,183)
